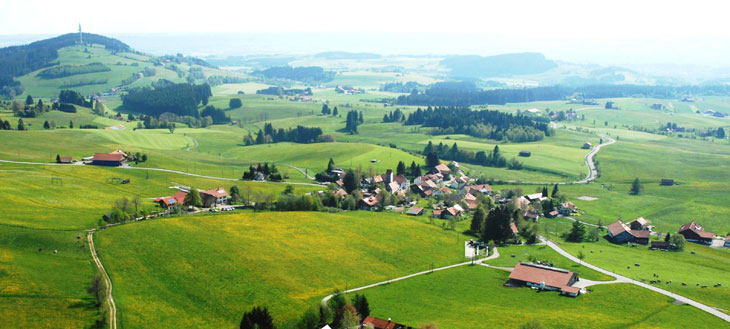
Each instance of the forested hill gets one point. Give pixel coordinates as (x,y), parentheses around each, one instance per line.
(473,66)
(19,60)
(448,94)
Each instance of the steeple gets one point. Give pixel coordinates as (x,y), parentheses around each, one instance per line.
(81,39)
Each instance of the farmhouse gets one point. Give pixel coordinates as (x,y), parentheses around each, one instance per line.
(476,189)
(618,232)
(640,224)
(567,208)
(667,182)
(368,203)
(415,211)
(545,278)
(535,197)
(169,202)
(531,215)
(214,197)
(65,160)
(660,245)
(375,323)
(525,153)
(693,232)
(443,169)
(113,159)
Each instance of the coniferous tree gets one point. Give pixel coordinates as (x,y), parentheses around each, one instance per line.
(477,222)
(46,125)
(29,100)
(257,318)
(577,232)
(555,191)
(330,165)
(544,191)
(71,124)
(325,109)
(21,125)
(432,160)
(497,225)
(335,112)
(636,187)
(400,169)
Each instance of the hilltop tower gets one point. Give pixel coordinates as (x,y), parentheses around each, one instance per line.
(81,38)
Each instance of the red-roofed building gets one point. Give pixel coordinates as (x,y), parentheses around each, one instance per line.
(214,197)
(113,159)
(375,323)
(169,202)
(618,232)
(368,203)
(545,278)
(65,160)
(693,232)
(443,169)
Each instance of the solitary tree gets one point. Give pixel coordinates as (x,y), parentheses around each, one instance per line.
(235,103)
(577,232)
(171,127)
(235,193)
(21,125)
(720,132)
(58,158)
(29,100)
(678,241)
(193,198)
(636,187)
(71,124)
(580,256)
(46,125)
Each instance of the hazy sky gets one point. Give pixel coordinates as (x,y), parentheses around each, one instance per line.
(663,30)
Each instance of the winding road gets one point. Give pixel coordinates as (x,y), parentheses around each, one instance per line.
(592,172)
(107,281)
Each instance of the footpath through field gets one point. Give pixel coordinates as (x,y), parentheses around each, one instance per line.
(621,278)
(494,255)
(107,282)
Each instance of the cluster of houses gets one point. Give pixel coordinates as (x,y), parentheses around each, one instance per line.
(638,231)
(212,198)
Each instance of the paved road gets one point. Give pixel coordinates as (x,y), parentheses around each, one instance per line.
(157,169)
(107,282)
(592,172)
(620,278)
(494,255)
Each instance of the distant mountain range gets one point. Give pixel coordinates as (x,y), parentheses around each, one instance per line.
(472,66)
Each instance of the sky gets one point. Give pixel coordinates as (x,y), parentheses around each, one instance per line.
(660,31)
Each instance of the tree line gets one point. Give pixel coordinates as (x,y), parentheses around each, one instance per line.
(279,91)
(448,95)
(69,70)
(181,99)
(487,124)
(300,134)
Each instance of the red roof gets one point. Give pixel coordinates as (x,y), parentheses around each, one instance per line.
(514,228)
(217,192)
(617,228)
(379,323)
(108,157)
(697,229)
(642,234)
(65,159)
(442,168)
(370,201)
(553,277)
(177,198)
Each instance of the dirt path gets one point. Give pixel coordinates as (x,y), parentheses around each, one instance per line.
(494,255)
(107,282)
(621,278)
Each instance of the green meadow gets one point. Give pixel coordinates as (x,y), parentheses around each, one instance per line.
(697,264)
(475,297)
(205,271)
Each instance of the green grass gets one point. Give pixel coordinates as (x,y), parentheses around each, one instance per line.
(707,267)
(474,297)
(205,271)
(523,253)
(40,289)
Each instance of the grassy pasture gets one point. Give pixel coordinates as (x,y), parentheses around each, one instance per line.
(287,261)
(474,297)
(706,266)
